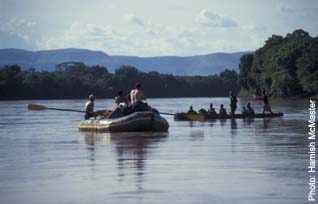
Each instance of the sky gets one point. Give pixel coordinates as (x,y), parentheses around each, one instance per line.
(152,28)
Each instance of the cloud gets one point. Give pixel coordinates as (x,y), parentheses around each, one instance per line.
(12,40)
(156,39)
(20,26)
(78,29)
(131,42)
(133,19)
(177,29)
(89,36)
(18,33)
(152,39)
(207,18)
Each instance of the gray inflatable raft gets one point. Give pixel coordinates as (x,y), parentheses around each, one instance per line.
(135,122)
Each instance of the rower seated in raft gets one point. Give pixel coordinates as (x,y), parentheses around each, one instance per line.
(120,98)
(249,109)
(211,110)
(202,111)
(222,110)
(122,107)
(191,111)
(123,103)
(89,107)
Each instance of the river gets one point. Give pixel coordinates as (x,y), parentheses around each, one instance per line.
(45,159)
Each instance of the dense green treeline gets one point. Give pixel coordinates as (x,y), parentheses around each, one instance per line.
(76,80)
(287,66)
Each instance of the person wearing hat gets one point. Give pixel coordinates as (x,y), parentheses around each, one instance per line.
(89,107)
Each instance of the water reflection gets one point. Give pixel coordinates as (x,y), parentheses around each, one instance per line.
(248,121)
(132,150)
(197,135)
(233,124)
(222,122)
(212,122)
(233,127)
(266,122)
(92,138)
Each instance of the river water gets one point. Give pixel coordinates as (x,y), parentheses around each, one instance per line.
(45,159)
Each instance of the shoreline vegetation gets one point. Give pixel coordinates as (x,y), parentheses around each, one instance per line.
(285,66)
(75,80)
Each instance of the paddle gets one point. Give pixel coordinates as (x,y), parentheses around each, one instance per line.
(163,113)
(166,113)
(37,107)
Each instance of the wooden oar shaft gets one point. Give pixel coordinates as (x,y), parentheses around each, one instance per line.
(163,113)
(71,110)
(37,107)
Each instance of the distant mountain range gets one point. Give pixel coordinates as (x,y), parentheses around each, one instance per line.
(191,65)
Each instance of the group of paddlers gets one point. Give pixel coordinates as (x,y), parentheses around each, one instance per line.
(133,102)
(246,110)
(125,105)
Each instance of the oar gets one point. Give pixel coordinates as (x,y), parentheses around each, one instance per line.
(163,113)
(166,113)
(37,107)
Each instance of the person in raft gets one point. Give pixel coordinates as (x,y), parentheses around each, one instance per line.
(244,111)
(233,103)
(121,104)
(128,98)
(211,110)
(120,98)
(249,109)
(191,111)
(136,99)
(89,107)
(266,107)
(222,110)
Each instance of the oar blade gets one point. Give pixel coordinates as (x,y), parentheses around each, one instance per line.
(36,107)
